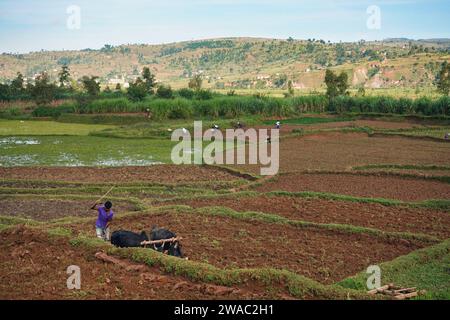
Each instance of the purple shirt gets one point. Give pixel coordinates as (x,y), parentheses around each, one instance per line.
(103,217)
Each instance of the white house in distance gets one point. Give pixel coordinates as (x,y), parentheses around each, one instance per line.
(115,81)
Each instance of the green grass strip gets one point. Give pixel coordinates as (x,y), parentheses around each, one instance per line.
(427,204)
(11,221)
(426,269)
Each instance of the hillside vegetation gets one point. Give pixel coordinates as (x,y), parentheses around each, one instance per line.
(247,63)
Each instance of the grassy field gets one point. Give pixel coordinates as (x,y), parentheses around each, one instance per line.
(82,151)
(50,143)
(34,128)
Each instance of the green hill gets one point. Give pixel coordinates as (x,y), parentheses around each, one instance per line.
(247,63)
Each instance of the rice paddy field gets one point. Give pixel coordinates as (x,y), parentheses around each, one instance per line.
(351,192)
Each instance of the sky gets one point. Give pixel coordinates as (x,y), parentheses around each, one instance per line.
(34,25)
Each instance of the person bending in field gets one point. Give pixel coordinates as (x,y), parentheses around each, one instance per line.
(105,215)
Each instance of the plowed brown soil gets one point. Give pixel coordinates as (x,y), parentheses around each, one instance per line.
(39,263)
(326,256)
(44,210)
(342,151)
(371,215)
(157,173)
(374,124)
(372,186)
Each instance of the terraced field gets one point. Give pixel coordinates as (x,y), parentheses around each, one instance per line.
(342,202)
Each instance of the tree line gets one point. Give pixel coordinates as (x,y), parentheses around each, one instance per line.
(88,97)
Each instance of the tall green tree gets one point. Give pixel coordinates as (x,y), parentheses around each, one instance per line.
(64,76)
(90,85)
(5,92)
(17,87)
(336,85)
(149,79)
(43,92)
(137,91)
(342,83)
(331,83)
(443,79)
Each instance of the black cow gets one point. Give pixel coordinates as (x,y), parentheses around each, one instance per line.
(125,239)
(173,249)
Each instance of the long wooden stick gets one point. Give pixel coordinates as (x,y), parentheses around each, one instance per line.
(162,241)
(102,197)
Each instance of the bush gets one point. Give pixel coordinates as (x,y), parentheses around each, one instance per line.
(186,93)
(137,91)
(164,92)
(111,106)
(180,111)
(312,103)
(170,109)
(441,106)
(425,106)
(54,112)
(238,106)
(203,95)
(11,113)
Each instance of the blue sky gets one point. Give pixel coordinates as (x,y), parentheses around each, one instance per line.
(32,25)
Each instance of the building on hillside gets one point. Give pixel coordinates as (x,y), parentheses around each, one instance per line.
(121,81)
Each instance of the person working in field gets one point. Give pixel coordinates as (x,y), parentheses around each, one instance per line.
(105,216)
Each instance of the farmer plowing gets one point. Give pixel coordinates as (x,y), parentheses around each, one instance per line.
(160,239)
